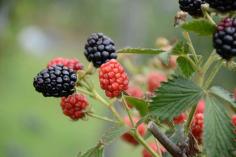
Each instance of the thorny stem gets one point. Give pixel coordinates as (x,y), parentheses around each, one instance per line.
(101,117)
(171,147)
(187,37)
(204,8)
(127,110)
(213,74)
(107,104)
(190,119)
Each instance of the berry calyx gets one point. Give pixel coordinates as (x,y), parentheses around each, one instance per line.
(113,78)
(193,7)
(70,63)
(154,147)
(99,49)
(224,38)
(134,91)
(141,130)
(180,119)
(222,5)
(56,81)
(74,106)
(154,80)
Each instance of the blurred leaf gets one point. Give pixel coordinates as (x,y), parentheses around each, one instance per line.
(139,104)
(223,94)
(218,129)
(201,27)
(185,66)
(174,97)
(96,151)
(140,51)
(113,133)
(180,48)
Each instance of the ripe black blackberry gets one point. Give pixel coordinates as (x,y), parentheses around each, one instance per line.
(224,38)
(193,7)
(99,49)
(222,5)
(55,81)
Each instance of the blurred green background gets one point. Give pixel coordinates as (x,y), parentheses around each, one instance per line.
(34,31)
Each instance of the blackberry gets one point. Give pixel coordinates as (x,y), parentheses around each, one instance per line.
(224,38)
(99,49)
(193,7)
(222,5)
(56,81)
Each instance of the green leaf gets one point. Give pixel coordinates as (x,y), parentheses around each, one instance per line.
(218,129)
(201,27)
(164,57)
(96,151)
(174,97)
(113,133)
(140,51)
(185,66)
(139,104)
(180,48)
(223,94)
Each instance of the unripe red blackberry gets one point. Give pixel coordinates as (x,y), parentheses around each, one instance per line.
(56,81)
(113,78)
(200,107)
(222,5)
(234,120)
(99,49)
(70,63)
(197,126)
(193,7)
(224,38)
(154,147)
(154,80)
(180,119)
(74,106)
(141,130)
(134,91)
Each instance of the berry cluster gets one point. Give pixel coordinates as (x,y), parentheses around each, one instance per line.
(141,130)
(193,7)
(56,81)
(74,106)
(198,121)
(113,78)
(224,38)
(99,49)
(70,63)
(222,5)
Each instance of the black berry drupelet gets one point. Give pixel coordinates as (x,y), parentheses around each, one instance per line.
(224,38)
(222,5)
(193,7)
(99,49)
(56,81)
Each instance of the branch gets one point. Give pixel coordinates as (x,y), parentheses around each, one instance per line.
(171,147)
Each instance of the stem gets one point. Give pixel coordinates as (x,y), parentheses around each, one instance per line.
(204,8)
(213,74)
(187,37)
(127,110)
(143,142)
(101,117)
(107,104)
(84,91)
(171,147)
(190,119)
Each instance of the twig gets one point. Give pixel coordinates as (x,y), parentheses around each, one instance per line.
(171,147)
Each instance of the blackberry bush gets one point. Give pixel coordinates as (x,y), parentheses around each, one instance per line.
(172,93)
